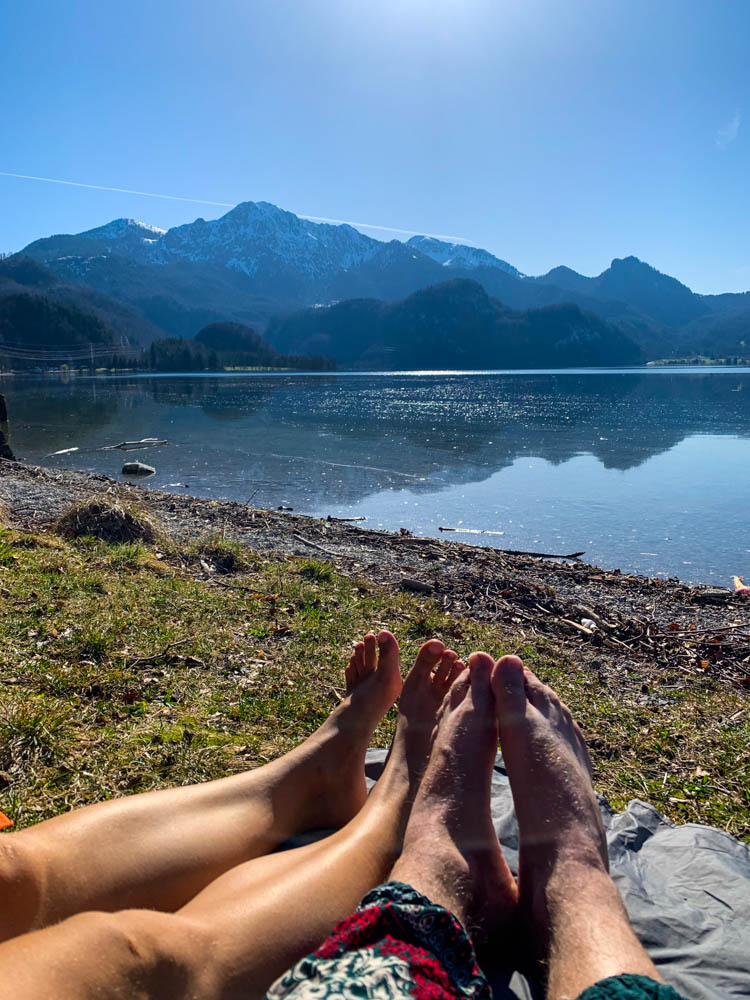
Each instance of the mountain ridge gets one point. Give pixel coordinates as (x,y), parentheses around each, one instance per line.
(258,261)
(454,324)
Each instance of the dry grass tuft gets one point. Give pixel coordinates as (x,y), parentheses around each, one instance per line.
(109,520)
(4,515)
(222,556)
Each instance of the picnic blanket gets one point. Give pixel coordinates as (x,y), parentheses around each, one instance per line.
(686,889)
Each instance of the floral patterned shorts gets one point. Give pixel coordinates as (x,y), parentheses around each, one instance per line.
(401,946)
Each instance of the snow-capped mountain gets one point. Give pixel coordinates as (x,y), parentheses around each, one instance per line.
(255,261)
(258,261)
(259,239)
(254,235)
(453,255)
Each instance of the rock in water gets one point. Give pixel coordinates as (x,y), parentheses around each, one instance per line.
(137,469)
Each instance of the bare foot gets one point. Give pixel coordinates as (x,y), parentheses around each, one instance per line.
(568,904)
(425,686)
(451,852)
(336,751)
(550,776)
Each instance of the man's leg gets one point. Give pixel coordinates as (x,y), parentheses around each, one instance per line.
(568,902)
(252,923)
(159,849)
(451,852)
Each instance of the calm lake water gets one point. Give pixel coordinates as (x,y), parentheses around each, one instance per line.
(648,471)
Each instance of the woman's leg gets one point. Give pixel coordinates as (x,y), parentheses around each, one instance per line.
(567,900)
(159,849)
(270,912)
(255,921)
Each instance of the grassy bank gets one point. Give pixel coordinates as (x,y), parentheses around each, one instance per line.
(128,667)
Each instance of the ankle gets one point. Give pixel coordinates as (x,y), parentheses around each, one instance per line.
(554,883)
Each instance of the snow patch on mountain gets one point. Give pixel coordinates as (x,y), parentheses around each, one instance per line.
(460,255)
(124,229)
(258,238)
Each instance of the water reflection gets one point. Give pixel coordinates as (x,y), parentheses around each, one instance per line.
(339,442)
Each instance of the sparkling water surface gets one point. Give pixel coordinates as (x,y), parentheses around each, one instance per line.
(645,470)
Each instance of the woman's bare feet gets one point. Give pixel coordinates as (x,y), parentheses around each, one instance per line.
(451,852)
(568,903)
(336,751)
(425,686)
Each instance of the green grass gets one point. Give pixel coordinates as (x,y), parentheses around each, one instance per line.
(125,668)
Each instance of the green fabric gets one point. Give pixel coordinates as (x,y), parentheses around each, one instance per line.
(630,987)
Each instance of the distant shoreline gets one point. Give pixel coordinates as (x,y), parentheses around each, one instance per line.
(651,367)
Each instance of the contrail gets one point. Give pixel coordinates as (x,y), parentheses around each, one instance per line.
(102,187)
(227,204)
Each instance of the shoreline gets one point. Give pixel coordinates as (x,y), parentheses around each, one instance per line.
(610,621)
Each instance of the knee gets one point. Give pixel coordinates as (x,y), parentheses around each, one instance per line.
(129,953)
(171,953)
(21,886)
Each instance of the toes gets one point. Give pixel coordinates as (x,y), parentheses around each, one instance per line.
(509,688)
(387,649)
(350,674)
(428,657)
(371,653)
(480,670)
(458,667)
(459,689)
(359,659)
(540,696)
(444,668)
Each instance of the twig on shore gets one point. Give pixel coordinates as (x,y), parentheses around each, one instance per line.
(700,631)
(541,555)
(314,545)
(341,519)
(472,531)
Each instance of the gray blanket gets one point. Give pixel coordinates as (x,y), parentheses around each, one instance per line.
(686,888)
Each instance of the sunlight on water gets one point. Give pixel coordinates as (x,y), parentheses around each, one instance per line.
(647,471)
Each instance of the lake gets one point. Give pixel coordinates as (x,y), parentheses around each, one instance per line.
(645,470)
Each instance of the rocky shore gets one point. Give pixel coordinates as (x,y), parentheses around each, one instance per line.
(623,628)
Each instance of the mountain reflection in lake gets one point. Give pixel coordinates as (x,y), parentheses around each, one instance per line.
(647,471)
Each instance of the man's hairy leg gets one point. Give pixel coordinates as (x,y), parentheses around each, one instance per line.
(568,903)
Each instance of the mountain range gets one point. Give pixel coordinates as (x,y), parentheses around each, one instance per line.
(453,325)
(258,264)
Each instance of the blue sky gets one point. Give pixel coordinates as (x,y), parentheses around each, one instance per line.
(547,131)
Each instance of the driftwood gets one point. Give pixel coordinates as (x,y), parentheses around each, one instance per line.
(342,519)
(541,555)
(134,445)
(472,531)
(314,545)
(512,552)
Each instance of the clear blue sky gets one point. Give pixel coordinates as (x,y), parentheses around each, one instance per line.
(547,131)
